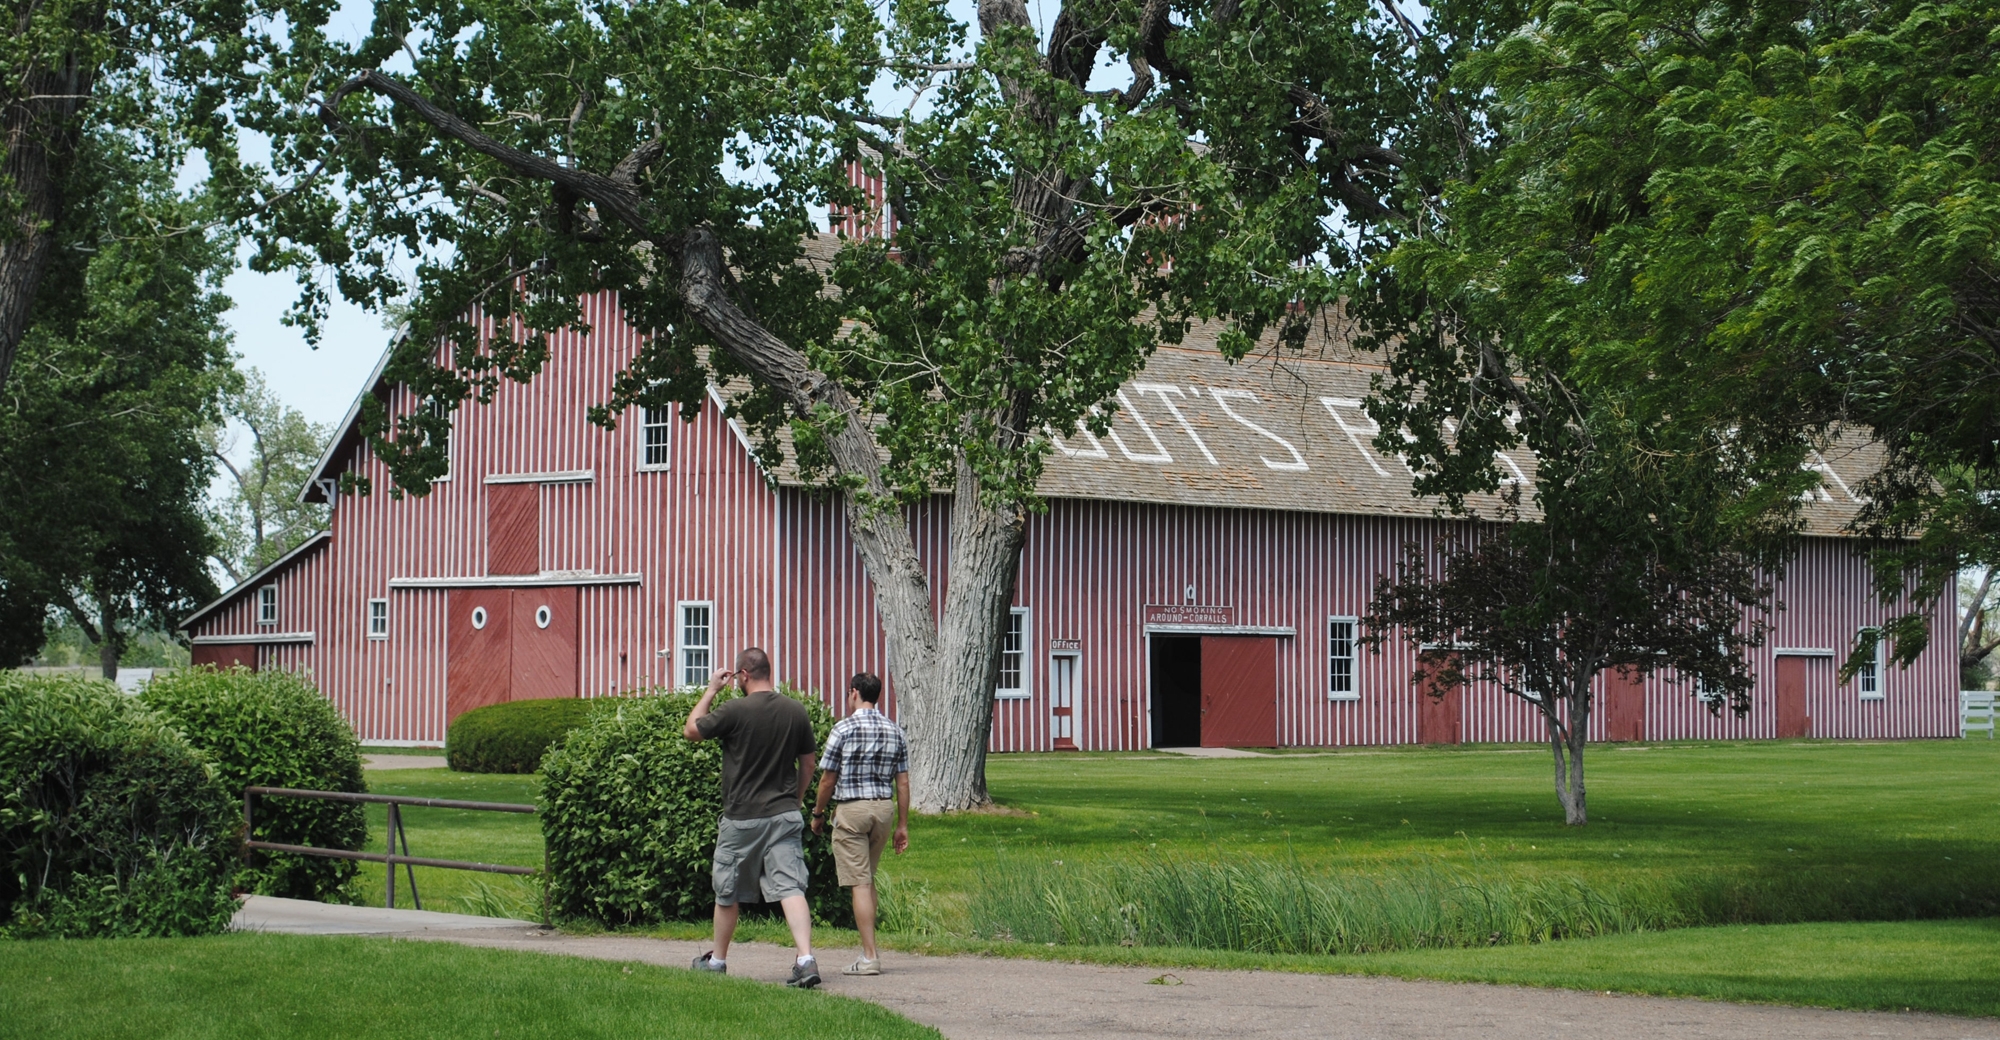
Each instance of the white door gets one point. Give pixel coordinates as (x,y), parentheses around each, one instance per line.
(1063,681)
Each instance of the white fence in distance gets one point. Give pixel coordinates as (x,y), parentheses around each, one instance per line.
(1975,712)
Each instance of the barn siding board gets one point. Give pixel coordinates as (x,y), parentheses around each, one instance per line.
(778,563)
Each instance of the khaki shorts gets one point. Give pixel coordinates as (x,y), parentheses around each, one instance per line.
(759,858)
(860,831)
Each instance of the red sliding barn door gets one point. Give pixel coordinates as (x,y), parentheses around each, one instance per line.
(544,649)
(513,528)
(1440,712)
(479,665)
(1791,696)
(1239,691)
(1624,706)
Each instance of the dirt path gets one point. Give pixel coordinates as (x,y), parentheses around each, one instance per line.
(991,998)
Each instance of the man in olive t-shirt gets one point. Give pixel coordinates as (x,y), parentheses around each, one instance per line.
(768,758)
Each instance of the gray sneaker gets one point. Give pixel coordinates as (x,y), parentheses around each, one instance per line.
(804,976)
(707,962)
(864,966)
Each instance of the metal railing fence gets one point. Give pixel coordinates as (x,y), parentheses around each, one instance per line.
(396,833)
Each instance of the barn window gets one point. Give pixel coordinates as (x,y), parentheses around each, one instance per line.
(697,642)
(653,426)
(378,619)
(267,605)
(1340,680)
(1015,680)
(1868,678)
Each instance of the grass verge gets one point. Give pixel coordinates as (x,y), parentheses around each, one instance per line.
(346,988)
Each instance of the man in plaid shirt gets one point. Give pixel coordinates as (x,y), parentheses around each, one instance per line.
(867,768)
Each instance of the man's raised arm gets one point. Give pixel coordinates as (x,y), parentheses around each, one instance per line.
(715,684)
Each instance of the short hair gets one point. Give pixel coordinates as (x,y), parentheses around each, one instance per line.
(867,685)
(754,663)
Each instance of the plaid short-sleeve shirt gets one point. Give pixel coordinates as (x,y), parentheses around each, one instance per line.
(866,751)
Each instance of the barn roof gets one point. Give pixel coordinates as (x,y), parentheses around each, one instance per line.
(1281,429)
(1285,430)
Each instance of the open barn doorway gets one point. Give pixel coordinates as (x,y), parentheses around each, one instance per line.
(1176,681)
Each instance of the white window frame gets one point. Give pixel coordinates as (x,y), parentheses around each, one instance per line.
(646,425)
(267,604)
(1872,674)
(1353,691)
(1025,674)
(683,649)
(1701,691)
(381,632)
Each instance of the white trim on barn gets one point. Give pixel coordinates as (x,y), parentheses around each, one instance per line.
(515,581)
(252,637)
(560,476)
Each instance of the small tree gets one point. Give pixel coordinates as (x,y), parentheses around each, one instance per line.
(1644,550)
(260,517)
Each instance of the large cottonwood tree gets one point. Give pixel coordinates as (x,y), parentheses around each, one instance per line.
(1777,217)
(1067,196)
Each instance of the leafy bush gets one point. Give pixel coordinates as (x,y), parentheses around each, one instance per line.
(629,808)
(513,737)
(273,729)
(111,823)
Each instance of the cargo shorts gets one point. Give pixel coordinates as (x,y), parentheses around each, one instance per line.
(759,859)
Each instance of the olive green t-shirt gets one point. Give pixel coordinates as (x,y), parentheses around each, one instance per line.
(763,735)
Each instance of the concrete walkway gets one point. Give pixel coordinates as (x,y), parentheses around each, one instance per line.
(304,917)
(992,998)
(1211,752)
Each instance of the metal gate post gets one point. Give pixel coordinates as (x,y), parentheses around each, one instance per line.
(394,820)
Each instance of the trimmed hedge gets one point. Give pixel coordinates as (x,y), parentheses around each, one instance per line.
(111,823)
(629,808)
(274,729)
(513,737)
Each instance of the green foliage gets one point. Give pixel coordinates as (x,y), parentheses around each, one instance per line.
(273,729)
(513,737)
(629,810)
(111,823)
(127,342)
(1769,218)
(260,517)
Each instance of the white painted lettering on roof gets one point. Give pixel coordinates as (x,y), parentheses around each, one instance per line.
(1159,453)
(1367,425)
(1095,451)
(1298,463)
(1161,390)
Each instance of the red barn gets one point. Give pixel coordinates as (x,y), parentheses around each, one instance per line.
(1196,579)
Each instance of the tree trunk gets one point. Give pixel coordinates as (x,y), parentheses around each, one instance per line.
(110,645)
(40,126)
(1566,741)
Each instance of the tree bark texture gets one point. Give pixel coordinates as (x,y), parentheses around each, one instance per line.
(40,118)
(1566,740)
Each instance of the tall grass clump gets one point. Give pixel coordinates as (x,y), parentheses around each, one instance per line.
(1264,906)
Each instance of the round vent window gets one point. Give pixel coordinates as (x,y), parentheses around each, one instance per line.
(479,617)
(542,617)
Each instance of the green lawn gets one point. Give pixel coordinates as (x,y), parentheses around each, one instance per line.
(482,837)
(344,988)
(1946,966)
(1788,830)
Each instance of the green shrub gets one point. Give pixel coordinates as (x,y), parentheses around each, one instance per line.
(111,823)
(273,729)
(629,807)
(513,737)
